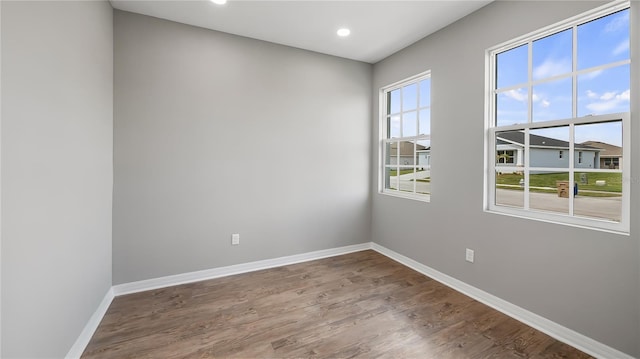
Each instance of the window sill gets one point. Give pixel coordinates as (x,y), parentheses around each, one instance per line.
(416,197)
(578,222)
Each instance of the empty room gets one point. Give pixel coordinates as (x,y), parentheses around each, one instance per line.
(319,179)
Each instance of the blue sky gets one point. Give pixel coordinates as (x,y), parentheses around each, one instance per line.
(600,42)
(416,114)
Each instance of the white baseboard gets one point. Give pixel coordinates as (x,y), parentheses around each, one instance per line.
(555,330)
(85,336)
(155,283)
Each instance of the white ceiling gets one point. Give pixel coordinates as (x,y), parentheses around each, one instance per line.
(378,28)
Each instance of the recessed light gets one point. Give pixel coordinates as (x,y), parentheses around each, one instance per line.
(219,2)
(344,32)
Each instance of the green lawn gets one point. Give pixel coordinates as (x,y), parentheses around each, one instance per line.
(613,181)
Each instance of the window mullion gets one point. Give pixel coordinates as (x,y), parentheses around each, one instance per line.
(401,112)
(574,110)
(571,167)
(530,81)
(415,143)
(527,176)
(574,77)
(418,108)
(492,168)
(415,147)
(398,150)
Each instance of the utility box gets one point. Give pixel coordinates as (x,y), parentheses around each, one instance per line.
(563,188)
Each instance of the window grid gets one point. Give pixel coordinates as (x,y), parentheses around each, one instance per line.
(494,128)
(392,184)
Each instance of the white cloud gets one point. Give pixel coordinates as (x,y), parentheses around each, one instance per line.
(552,67)
(517,95)
(609,101)
(625,96)
(600,107)
(591,94)
(608,96)
(622,47)
(541,99)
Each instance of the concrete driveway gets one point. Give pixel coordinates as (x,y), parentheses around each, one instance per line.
(405,182)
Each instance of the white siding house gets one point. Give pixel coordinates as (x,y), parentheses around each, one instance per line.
(544,152)
(406,155)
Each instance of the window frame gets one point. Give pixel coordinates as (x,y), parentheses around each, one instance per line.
(383,137)
(491,128)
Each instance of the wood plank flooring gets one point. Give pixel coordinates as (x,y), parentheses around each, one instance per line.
(359,305)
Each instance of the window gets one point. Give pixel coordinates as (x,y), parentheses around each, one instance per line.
(564,90)
(612,163)
(505,156)
(406,138)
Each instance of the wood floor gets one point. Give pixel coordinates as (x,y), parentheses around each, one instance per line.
(359,305)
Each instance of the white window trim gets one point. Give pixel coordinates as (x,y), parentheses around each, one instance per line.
(622,227)
(382,115)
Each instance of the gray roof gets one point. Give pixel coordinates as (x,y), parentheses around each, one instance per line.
(537,141)
(607,150)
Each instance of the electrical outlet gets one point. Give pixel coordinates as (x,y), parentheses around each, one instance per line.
(235,239)
(469,255)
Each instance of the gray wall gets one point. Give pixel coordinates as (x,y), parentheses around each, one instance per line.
(584,279)
(203,121)
(57,103)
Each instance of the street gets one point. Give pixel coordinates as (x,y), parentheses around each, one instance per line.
(597,207)
(609,208)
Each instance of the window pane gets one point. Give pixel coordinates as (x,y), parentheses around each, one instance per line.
(425,122)
(425,93)
(393,126)
(423,181)
(510,150)
(512,67)
(410,97)
(604,40)
(509,189)
(549,191)
(391,153)
(403,180)
(409,124)
(423,156)
(512,107)
(552,100)
(598,195)
(600,145)
(545,146)
(394,101)
(552,55)
(406,153)
(605,91)
(389,178)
